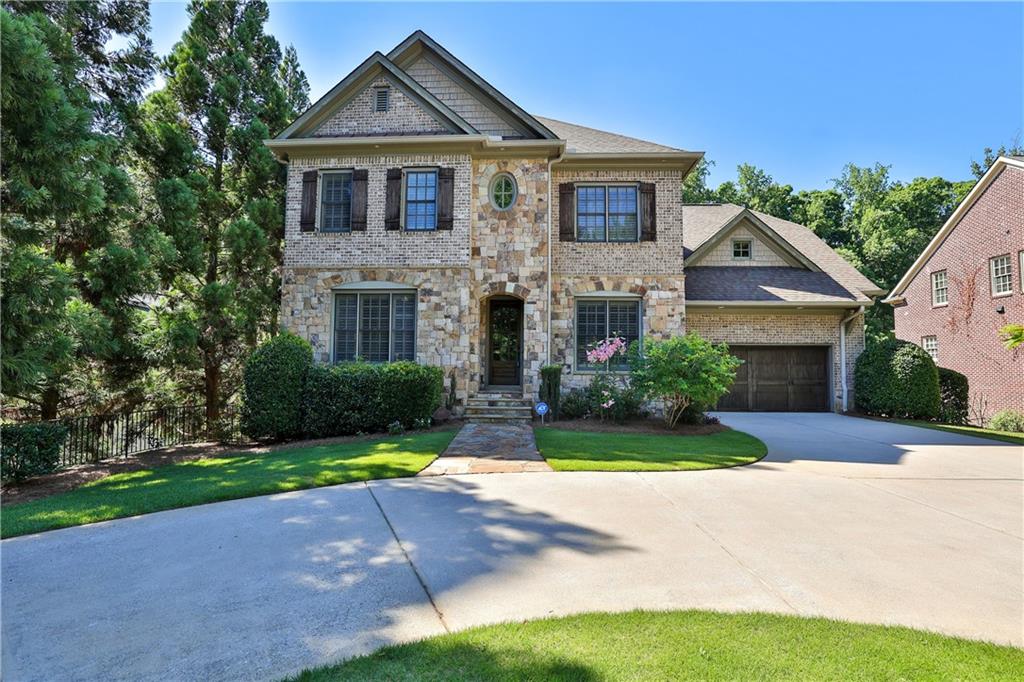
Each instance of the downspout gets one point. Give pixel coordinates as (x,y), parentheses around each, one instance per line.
(842,353)
(551,162)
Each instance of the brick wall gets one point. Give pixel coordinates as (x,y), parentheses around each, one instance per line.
(359,116)
(967,328)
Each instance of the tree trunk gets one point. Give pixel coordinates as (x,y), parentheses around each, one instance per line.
(48,404)
(211,372)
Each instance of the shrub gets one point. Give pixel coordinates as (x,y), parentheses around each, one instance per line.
(357,397)
(551,387)
(30,449)
(273,384)
(1007,420)
(574,404)
(609,399)
(682,371)
(693,414)
(897,379)
(955,397)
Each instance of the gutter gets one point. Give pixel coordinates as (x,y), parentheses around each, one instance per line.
(551,277)
(842,354)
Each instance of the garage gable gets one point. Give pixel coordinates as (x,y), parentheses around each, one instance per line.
(766,247)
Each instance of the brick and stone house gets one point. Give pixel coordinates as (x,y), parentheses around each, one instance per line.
(429,217)
(967,284)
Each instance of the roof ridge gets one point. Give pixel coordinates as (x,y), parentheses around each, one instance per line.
(606,132)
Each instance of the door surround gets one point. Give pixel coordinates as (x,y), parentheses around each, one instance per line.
(504,342)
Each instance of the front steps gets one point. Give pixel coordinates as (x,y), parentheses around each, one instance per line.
(499,408)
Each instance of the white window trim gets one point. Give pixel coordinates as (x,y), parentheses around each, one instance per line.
(933,353)
(318,221)
(388,288)
(750,248)
(606,185)
(1020,269)
(992,275)
(405,174)
(931,279)
(612,297)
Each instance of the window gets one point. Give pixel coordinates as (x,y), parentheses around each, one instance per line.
(375,326)
(607,213)
(503,191)
(940,288)
(931,346)
(1002,276)
(336,202)
(1020,269)
(381,99)
(421,200)
(597,320)
(741,249)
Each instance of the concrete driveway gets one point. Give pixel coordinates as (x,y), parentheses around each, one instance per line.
(845,518)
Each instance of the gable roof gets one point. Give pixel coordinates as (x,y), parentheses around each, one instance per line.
(703,223)
(375,65)
(954,219)
(582,140)
(766,284)
(712,239)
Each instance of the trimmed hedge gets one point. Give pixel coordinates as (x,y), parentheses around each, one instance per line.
(30,449)
(551,387)
(955,396)
(358,397)
(897,379)
(274,379)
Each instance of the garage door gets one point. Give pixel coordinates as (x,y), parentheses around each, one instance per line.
(779,379)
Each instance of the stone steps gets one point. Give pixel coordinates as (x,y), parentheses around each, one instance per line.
(496,408)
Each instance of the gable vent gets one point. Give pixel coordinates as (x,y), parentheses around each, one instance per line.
(382,98)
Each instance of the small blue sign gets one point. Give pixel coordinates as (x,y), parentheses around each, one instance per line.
(542,409)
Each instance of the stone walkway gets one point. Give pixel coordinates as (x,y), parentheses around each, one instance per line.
(489,449)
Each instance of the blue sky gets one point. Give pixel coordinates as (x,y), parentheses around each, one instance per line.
(798,89)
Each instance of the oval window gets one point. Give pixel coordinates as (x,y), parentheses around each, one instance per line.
(503,191)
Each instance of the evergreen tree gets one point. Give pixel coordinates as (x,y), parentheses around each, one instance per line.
(293,81)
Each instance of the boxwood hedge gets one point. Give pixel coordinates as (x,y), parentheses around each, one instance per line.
(955,396)
(897,379)
(30,449)
(273,383)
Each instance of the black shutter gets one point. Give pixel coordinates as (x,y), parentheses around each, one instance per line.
(393,200)
(445,198)
(359,183)
(648,213)
(307,219)
(567,212)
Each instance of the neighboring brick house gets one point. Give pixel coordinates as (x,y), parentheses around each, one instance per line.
(967,284)
(430,218)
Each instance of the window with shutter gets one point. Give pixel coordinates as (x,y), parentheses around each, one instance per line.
(420,200)
(336,201)
(607,213)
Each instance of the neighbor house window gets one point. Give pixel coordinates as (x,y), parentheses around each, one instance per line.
(381,99)
(931,346)
(607,213)
(420,200)
(1002,276)
(1020,268)
(597,320)
(375,326)
(940,288)
(741,249)
(336,201)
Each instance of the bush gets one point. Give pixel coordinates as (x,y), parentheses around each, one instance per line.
(1007,420)
(623,402)
(30,449)
(575,404)
(682,371)
(693,414)
(954,396)
(273,384)
(897,379)
(551,387)
(357,397)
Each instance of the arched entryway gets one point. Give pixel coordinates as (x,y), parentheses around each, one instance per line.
(504,365)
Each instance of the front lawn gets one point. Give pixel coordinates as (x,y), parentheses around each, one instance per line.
(567,450)
(976,431)
(678,645)
(226,477)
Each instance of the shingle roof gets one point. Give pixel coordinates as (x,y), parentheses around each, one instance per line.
(583,140)
(702,222)
(781,284)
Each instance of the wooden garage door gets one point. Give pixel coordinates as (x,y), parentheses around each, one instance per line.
(779,379)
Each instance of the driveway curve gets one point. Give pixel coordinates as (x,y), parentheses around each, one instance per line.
(846,518)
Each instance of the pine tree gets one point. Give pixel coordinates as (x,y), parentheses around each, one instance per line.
(293,81)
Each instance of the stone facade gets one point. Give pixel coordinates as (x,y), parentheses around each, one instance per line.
(360,117)
(786,328)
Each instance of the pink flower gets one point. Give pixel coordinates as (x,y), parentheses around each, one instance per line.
(608,404)
(606,350)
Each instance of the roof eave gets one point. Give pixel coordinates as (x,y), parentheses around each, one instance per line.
(669,160)
(478,145)
(794,305)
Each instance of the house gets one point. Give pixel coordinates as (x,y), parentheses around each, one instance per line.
(429,217)
(967,284)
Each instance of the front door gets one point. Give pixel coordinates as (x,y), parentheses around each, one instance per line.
(505,334)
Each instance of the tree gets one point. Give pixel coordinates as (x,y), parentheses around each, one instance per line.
(822,211)
(293,81)
(695,188)
(989,157)
(216,191)
(1013,335)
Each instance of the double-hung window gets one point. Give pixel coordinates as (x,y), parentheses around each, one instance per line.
(375,326)
(607,213)
(940,288)
(420,204)
(598,320)
(931,346)
(336,201)
(1002,275)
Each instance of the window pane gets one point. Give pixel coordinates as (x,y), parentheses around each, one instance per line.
(623,322)
(344,327)
(1002,279)
(622,214)
(421,200)
(940,288)
(591,328)
(741,248)
(403,334)
(336,202)
(590,214)
(374,323)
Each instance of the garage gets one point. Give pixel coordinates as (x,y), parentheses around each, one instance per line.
(780,379)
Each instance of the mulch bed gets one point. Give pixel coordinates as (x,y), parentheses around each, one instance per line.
(73,477)
(652,426)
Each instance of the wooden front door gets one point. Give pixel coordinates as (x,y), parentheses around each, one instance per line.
(505,341)
(779,379)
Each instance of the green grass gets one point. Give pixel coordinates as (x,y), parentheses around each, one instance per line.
(680,645)
(226,477)
(976,431)
(601,451)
